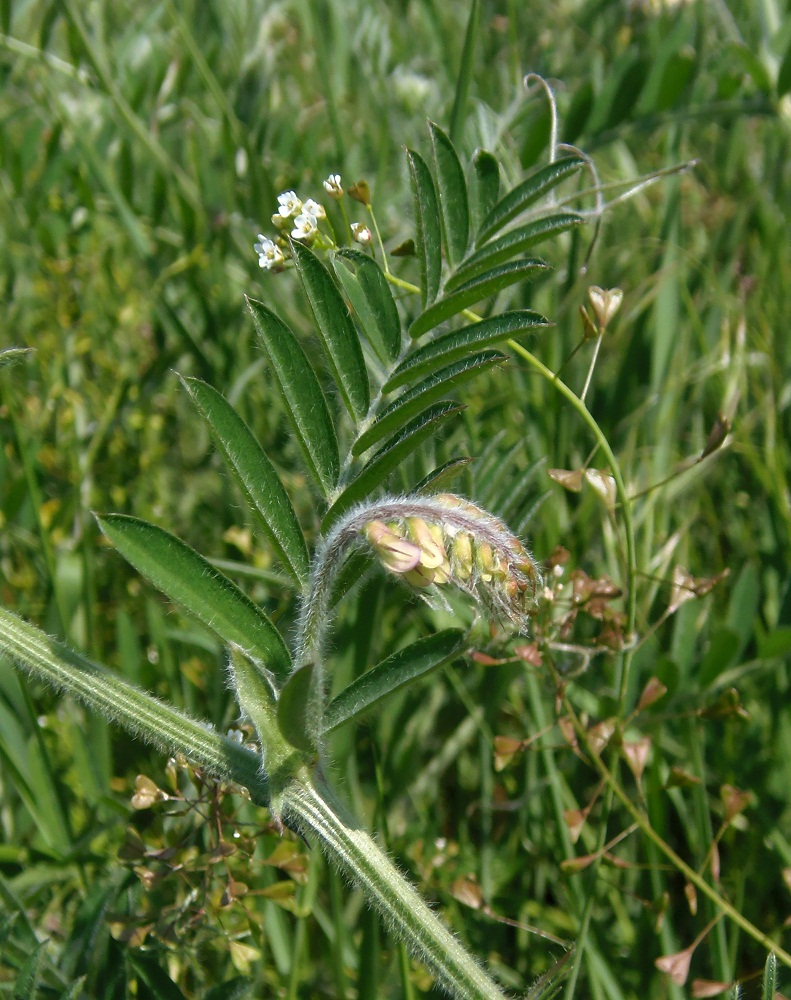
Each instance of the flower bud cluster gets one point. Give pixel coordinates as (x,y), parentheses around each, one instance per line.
(447,540)
(301,221)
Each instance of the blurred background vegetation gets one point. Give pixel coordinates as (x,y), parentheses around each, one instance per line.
(141,150)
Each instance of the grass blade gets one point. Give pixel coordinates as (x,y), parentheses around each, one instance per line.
(337,330)
(255,475)
(305,403)
(461,98)
(191,581)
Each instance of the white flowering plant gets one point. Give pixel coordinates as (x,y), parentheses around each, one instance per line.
(394,364)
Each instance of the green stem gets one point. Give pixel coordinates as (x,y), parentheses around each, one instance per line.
(307,802)
(626,508)
(137,711)
(631,610)
(314,808)
(689,873)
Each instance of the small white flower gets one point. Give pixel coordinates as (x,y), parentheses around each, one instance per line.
(305,227)
(313,208)
(269,254)
(333,186)
(289,205)
(280,221)
(361,233)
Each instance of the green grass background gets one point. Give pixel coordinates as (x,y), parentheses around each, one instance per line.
(142,147)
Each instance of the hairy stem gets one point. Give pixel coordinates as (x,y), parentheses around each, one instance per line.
(313,808)
(137,711)
(306,800)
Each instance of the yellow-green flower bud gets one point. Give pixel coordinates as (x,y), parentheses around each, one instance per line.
(447,539)
(395,553)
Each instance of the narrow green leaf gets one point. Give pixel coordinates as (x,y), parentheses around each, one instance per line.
(783,85)
(255,476)
(753,64)
(159,983)
(677,75)
(390,456)
(478,288)
(579,111)
(459,113)
(627,91)
(510,244)
(428,239)
(27,982)
(439,479)
(336,328)
(721,653)
(305,403)
(452,191)
(257,701)
(293,707)
(234,989)
(770,984)
(26,762)
(452,346)
(74,990)
(430,389)
(484,185)
(369,293)
(392,675)
(532,188)
(775,643)
(13,354)
(191,581)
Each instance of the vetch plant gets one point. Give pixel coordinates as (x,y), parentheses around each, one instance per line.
(393,385)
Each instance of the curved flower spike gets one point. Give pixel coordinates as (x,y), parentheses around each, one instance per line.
(447,540)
